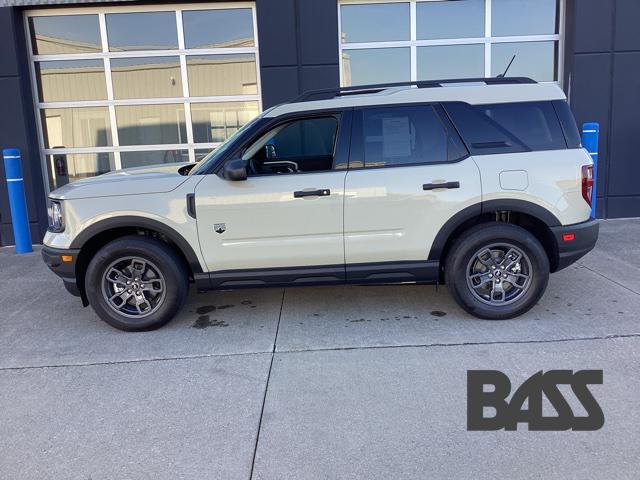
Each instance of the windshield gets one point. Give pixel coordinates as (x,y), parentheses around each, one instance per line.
(214,154)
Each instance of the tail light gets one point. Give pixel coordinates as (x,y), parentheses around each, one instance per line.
(587,183)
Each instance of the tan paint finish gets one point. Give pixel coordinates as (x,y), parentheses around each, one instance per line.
(266,226)
(554,181)
(389,217)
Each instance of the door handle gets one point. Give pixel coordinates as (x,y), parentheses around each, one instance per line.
(322,192)
(434,186)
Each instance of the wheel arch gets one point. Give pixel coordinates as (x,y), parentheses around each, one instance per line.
(530,216)
(94,237)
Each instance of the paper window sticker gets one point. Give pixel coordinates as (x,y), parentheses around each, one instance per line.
(396,135)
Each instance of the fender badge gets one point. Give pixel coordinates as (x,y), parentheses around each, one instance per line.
(219,227)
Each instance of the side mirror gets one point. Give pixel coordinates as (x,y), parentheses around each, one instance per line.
(235,170)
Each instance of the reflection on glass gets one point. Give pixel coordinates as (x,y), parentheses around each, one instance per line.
(362,67)
(151,124)
(378,22)
(68,80)
(222,75)
(76,127)
(149,77)
(229,27)
(523,17)
(214,122)
(142,31)
(450,61)
(200,153)
(141,159)
(459,19)
(65,34)
(66,168)
(533,59)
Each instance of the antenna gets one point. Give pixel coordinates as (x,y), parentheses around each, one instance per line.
(507,69)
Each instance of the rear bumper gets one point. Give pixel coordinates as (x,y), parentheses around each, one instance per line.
(571,249)
(65,270)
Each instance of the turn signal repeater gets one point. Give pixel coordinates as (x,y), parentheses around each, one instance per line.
(66,258)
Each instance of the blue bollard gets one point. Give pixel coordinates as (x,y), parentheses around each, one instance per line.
(17,200)
(590,134)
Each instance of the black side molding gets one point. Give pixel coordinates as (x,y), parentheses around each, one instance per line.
(191,205)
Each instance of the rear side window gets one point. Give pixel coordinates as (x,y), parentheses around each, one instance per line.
(407,135)
(508,127)
(568,123)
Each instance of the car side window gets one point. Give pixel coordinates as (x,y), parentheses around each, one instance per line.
(305,145)
(507,127)
(406,135)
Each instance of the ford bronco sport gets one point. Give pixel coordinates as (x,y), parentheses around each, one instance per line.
(480,184)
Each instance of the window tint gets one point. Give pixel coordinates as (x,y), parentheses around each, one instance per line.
(461,19)
(508,127)
(533,59)
(568,123)
(523,17)
(220,28)
(362,66)
(406,135)
(65,34)
(306,138)
(308,143)
(142,31)
(377,22)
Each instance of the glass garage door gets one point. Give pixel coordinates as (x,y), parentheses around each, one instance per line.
(121,87)
(436,39)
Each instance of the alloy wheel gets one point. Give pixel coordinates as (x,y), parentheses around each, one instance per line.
(499,274)
(133,287)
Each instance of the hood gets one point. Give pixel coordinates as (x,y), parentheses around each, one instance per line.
(130,181)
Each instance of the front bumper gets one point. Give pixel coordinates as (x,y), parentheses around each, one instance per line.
(575,241)
(65,270)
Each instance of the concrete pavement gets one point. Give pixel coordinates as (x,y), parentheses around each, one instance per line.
(327,382)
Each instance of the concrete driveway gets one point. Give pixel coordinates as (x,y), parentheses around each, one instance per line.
(328,382)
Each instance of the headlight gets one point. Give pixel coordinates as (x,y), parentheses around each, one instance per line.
(56,220)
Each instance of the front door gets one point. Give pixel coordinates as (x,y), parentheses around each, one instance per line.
(287,215)
(409,173)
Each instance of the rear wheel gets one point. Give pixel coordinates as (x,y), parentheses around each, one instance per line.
(497,271)
(136,283)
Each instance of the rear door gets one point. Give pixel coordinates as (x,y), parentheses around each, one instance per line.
(409,173)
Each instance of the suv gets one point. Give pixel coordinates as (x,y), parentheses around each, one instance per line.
(481,184)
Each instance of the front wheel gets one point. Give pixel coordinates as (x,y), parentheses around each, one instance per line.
(136,283)
(497,271)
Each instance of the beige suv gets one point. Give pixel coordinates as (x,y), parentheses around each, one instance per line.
(481,184)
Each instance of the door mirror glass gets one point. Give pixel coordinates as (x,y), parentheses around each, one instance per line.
(235,170)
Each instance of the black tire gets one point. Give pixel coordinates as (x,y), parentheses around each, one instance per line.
(173,277)
(462,258)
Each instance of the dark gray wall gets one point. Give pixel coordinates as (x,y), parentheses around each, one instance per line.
(602,79)
(17,126)
(298,47)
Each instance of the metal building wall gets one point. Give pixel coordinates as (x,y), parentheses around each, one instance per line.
(298,47)
(602,79)
(17,126)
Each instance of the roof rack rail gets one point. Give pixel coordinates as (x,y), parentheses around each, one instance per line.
(329,93)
